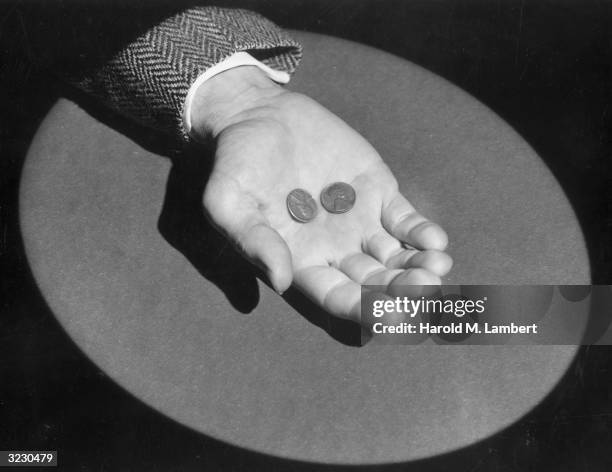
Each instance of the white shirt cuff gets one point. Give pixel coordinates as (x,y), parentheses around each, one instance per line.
(235,60)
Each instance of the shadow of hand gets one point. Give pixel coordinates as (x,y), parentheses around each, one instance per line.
(183,224)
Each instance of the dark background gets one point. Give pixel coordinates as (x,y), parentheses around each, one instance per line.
(545,67)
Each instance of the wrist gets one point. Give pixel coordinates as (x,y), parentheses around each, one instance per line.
(221,100)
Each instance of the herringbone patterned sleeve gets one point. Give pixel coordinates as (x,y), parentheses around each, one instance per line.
(148,80)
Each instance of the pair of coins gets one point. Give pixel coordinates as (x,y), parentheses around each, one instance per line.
(335,198)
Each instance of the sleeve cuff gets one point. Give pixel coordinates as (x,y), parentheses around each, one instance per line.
(237,59)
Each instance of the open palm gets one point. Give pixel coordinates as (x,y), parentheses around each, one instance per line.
(290,142)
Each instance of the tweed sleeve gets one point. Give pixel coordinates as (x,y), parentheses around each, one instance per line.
(148,80)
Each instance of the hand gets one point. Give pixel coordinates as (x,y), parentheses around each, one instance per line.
(270,141)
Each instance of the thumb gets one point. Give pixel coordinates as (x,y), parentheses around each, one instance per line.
(242,222)
(263,246)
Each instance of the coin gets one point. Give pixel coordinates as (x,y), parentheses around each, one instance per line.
(301,205)
(338,197)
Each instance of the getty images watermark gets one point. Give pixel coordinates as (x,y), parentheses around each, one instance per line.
(488,314)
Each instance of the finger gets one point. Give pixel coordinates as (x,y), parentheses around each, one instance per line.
(243,223)
(437,262)
(267,249)
(366,270)
(402,221)
(413,282)
(390,252)
(382,246)
(332,290)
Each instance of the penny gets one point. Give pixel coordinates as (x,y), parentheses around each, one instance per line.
(302,207)
(338,197)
